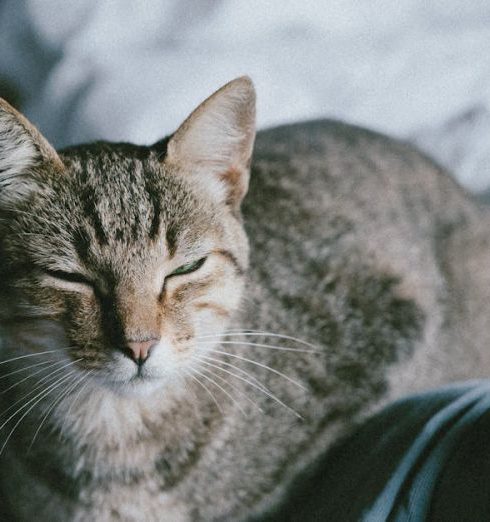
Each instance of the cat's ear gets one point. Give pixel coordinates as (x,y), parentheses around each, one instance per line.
(215,142)
(22,151)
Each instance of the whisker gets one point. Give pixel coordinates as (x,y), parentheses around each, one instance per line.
(39,398)
(233,386)
(77,396)
(33,355)
(233,400)
(258,333)
(56,401)
(251,361)
(39,384)
(264,390)
(260,345)
(234,366)
(207,390)
(30,377)
(29,401)
(25,368)
(190,391)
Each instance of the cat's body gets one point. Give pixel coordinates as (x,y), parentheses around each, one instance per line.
(359,246)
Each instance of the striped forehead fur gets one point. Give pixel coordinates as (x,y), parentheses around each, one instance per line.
(125,195)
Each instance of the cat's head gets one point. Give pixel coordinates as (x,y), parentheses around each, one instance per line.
(120,255)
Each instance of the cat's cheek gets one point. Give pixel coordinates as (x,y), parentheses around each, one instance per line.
(166,360)
(212,315)
(33,297)
(222,299)
(37,336)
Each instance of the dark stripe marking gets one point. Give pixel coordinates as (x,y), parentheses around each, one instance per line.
(228,255)
(171,236)
(91,213)
(154,198)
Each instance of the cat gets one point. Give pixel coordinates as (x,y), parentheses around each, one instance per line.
(174,351)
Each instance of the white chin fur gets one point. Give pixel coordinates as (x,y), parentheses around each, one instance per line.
(137,387)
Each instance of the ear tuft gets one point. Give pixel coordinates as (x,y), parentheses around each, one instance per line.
(215,142)
(22,148)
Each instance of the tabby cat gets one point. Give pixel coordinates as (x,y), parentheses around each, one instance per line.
(173,352)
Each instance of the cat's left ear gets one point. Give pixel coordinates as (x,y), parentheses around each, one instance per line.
(214,144)
(23,150)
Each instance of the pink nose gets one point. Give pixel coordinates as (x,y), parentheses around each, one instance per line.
(139,351)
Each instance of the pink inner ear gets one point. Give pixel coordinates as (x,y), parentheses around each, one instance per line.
(235,180)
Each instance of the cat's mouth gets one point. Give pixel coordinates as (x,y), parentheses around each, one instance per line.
(163,367)
(137,384)
(143,377)
(122,374)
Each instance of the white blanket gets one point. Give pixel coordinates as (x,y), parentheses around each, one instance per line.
(132,70)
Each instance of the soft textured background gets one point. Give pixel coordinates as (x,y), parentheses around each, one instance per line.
(132,70)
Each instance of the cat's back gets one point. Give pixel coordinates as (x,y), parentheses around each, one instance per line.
(336,210)
(331,164)
(329,186)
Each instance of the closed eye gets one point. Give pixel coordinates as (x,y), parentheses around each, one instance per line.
(188,268)
(69,277)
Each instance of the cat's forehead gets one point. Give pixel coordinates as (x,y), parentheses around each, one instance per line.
(119,198)
(104,167)
(121,191)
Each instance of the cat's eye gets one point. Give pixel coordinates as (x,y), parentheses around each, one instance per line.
(69,277)
(188,267)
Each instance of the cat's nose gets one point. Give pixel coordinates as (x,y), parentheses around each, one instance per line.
(139,351)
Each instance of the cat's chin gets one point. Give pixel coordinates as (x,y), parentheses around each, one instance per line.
(134,387)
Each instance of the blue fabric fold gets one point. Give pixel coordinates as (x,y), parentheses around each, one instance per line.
(425,458)
(407,495)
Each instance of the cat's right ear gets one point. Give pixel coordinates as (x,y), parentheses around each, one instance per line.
(23,151)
